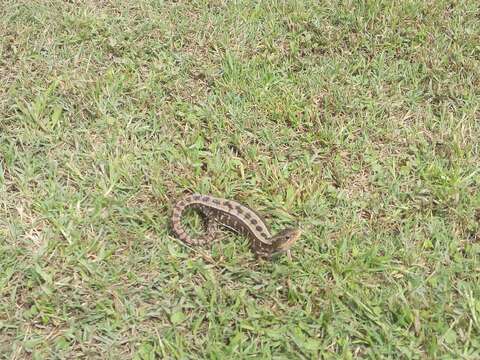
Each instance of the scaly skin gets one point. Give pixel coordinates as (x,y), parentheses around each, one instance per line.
(236,217)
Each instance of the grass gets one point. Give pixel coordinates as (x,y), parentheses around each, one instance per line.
(358,120)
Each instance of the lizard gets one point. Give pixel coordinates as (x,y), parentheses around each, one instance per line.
(236,217)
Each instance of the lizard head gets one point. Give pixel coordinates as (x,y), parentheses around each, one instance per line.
(284,240)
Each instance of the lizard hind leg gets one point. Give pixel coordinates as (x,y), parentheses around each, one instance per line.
(210,233)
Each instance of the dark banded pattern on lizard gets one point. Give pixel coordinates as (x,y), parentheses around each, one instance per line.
(236,217)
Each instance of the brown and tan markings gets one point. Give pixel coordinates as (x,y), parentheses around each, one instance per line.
(236,217)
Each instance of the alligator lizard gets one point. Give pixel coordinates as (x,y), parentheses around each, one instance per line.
(236,217)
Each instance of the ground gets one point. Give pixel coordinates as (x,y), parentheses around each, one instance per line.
(358,121)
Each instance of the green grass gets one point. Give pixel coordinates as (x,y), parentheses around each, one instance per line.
(361,121)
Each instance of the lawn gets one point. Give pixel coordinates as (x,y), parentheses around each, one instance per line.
(360,121)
